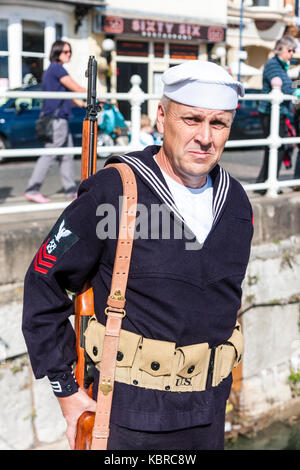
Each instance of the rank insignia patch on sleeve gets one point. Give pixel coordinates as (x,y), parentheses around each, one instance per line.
(60,239)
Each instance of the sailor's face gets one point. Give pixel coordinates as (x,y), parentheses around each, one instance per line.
(194,139)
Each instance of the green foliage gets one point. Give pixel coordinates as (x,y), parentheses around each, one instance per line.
(294,379)
(252,280)
(294,376)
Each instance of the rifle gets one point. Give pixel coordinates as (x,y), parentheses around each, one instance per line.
(84,301)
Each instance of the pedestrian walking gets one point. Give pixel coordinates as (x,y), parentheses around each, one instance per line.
(56,78)
(277,66)
(180,337)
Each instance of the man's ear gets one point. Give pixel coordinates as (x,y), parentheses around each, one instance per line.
(160,118)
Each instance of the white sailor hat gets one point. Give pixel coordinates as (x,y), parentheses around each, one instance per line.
(202,84)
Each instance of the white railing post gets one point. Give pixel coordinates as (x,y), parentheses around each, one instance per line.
(136,99)
(276,99)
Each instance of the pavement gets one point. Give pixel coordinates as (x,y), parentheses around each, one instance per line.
(243,164)
(15,174)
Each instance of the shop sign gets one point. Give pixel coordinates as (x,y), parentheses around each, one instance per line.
(160,29)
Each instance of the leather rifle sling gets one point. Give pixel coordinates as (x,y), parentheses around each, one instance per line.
(115,310)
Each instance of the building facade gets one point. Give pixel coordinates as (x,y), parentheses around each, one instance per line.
(146,38)
(254,26)
(141,38)
(28,28)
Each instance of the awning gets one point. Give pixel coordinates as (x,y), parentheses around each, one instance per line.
(246,70)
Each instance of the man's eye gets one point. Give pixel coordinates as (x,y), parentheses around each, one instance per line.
(191,119)
(218,123)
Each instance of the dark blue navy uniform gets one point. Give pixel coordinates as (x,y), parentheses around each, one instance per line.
(186,296)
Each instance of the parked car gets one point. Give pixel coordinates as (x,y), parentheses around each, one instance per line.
(246,124)
(18,117)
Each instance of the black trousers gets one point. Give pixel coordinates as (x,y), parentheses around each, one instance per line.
(208,437)
(283,132)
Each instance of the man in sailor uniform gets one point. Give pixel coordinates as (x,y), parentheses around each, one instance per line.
(184,284)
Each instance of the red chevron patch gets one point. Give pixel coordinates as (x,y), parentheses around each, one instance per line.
(41,260)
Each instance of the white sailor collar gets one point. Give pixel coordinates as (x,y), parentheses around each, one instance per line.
(145,166)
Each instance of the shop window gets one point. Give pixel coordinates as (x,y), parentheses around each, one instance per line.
(132,48)
(158,85)
(260,3)
(33,51)
(158,49)
(58,31)
(32,70)
(183,51)
(125,72)
(3,35)
(3,67)
(3,54)
(33,36)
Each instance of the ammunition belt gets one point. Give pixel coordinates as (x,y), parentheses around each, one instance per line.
(161,365)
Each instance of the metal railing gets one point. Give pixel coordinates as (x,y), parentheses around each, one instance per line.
(136,97)
(274,141)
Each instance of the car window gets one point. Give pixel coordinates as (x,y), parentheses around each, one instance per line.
(250,104)
(9,101)
(3,101)
(18,102)
(15,103)
(36,102)
(31,102)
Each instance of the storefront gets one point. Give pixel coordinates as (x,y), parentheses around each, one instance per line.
(26,35)
(147,47)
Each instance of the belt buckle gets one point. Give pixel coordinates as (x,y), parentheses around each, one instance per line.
(115,310)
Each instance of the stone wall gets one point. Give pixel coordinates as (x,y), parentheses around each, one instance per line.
(270,315)
(29,412)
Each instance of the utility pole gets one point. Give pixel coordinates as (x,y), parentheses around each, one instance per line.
(241,33)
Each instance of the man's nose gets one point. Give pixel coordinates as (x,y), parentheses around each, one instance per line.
(203,134)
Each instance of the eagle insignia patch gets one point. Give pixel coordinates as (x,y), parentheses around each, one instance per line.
(60,239)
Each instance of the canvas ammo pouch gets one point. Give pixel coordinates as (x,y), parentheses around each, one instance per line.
(162,365)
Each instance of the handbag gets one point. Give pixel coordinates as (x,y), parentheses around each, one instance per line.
(44,125)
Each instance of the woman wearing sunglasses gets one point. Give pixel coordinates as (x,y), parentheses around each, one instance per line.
(277,66)
(56,78)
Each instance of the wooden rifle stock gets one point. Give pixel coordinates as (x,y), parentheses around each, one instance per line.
(85,426)
(89,152)
(84,300)
(88,424)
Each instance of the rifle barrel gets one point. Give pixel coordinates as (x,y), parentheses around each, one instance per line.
(91,73)
(89,138)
